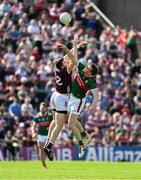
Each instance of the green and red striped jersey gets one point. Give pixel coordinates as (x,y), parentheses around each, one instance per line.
(43,122)
(82,84)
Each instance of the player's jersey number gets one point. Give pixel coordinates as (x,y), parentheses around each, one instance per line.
(58,81)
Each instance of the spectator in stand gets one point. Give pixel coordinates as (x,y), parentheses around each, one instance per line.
(33,28)
(10,56)
(5,7)
(27,107)
(15,108)
(21,139)
(9,150)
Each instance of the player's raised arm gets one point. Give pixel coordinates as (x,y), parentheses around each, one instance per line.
(75,49)
(71,65)
(82,44)
(69,53)
(76,46)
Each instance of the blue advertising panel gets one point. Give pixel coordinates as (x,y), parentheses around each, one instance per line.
(113,154)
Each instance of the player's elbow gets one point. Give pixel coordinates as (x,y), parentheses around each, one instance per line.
(95,93)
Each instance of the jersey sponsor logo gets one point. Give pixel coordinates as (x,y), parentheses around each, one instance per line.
(81,84)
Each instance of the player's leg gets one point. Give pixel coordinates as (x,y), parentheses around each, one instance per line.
(59,122)
(84,136)
(72,125)
(75,106)
(52,125)
(42,155)
(60,102)
(50,130)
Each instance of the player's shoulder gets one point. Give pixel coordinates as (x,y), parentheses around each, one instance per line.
(49,113)
(37,115)
(81,66)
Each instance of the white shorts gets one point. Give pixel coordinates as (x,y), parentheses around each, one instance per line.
(59,102)
(75,105)
(41,138)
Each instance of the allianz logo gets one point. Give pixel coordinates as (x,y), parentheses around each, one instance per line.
(112,154)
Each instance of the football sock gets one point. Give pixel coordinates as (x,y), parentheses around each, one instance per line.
(80,143)
(47,141)
(44,164)
(49,146)
(83,134)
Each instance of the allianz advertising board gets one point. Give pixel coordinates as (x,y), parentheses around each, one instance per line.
(131,153)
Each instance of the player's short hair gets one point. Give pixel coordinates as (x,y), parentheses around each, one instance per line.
(43,104)
(94,69)
(58,62)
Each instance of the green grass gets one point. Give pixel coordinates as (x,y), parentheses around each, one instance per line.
(73,170)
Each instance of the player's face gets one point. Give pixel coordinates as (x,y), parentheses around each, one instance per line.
(64,64)
(87,71)
(43,108)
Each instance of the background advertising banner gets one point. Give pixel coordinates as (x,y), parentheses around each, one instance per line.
(112,154)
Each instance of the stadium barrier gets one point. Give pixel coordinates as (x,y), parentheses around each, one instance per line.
(113,154)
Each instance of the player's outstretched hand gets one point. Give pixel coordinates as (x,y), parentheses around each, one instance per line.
(75,41)
(83,43)
(61,46)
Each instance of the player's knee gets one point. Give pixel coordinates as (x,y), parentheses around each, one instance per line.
(70,125)
(59,125)
(40,147)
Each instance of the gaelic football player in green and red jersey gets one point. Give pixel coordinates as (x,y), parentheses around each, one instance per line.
(42,120)
(84,81)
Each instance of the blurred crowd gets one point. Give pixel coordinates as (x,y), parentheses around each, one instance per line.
(28,38)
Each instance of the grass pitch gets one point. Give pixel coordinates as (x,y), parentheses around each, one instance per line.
(72,170)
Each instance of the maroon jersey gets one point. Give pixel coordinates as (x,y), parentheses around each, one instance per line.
(63,81)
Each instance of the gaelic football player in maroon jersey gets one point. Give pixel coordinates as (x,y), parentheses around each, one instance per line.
(60,98)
